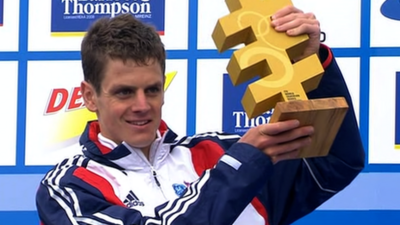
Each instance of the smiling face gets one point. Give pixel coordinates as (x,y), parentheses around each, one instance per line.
(129,103)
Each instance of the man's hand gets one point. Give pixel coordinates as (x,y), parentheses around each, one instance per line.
(295,22)
(280,140)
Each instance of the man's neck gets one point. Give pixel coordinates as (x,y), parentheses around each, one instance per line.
(146,152)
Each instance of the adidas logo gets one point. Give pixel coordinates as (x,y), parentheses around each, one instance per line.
(132,200)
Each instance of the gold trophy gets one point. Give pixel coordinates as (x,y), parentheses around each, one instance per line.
(283,84)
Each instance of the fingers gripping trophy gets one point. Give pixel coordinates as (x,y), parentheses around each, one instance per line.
(284,80)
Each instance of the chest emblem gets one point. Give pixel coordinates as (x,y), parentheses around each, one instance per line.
(180,188)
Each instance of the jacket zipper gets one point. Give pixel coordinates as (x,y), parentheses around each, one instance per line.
(153,171)
(157,181)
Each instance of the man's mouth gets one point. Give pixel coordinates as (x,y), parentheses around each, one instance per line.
(139,123)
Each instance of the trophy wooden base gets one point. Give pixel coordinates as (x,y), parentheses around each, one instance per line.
(325,115)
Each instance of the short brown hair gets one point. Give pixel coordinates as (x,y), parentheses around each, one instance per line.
(123,37)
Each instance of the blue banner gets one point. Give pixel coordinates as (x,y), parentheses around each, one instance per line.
(73,17)
(234,118)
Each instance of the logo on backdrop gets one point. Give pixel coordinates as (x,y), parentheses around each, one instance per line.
(71,115)
(397,113)
(1,12)
(234,118)
(391,9)
(73,17)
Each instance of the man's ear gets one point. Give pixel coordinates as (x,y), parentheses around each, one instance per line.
(89,96)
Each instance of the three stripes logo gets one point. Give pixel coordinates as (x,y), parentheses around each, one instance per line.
(132,200)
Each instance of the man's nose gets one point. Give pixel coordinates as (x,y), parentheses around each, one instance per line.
(141,103)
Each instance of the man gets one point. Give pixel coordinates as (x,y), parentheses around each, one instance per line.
(134,171)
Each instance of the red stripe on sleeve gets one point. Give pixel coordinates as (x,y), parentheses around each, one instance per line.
(329,59)
(260,209)
(100,184)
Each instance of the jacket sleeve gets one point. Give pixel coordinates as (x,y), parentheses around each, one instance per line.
(70,194)
(298,187)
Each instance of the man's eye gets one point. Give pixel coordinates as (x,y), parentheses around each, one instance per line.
(124,92)
(153,90)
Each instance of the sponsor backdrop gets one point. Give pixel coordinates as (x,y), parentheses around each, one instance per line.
(42,113)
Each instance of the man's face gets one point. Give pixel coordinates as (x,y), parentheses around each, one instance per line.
(129,104)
